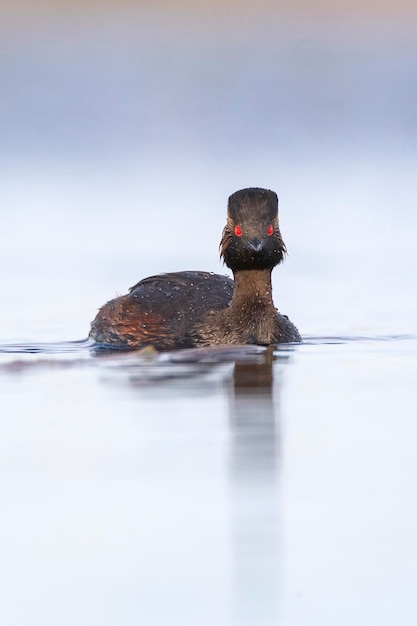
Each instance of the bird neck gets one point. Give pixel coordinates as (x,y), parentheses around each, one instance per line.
(252,288)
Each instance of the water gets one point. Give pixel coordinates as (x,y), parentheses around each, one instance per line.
(235,487)
(203,488)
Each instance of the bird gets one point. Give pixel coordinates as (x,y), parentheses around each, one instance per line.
(191,309)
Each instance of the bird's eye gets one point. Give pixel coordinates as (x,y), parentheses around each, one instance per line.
(238,231)
(270,229)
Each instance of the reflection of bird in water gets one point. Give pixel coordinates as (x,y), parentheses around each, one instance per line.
(254,486)
(253,416)
(253,458)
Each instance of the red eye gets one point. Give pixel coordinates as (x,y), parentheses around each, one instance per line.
(270,230)
(238,231)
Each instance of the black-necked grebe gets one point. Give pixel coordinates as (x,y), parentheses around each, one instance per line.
(192,309)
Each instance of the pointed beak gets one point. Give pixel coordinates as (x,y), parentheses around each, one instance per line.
(255,244)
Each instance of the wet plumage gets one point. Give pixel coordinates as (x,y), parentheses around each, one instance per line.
(191,309)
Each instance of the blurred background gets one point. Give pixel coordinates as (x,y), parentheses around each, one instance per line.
(125,126)
(274,490)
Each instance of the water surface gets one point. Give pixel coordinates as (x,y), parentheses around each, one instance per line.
(254,486)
